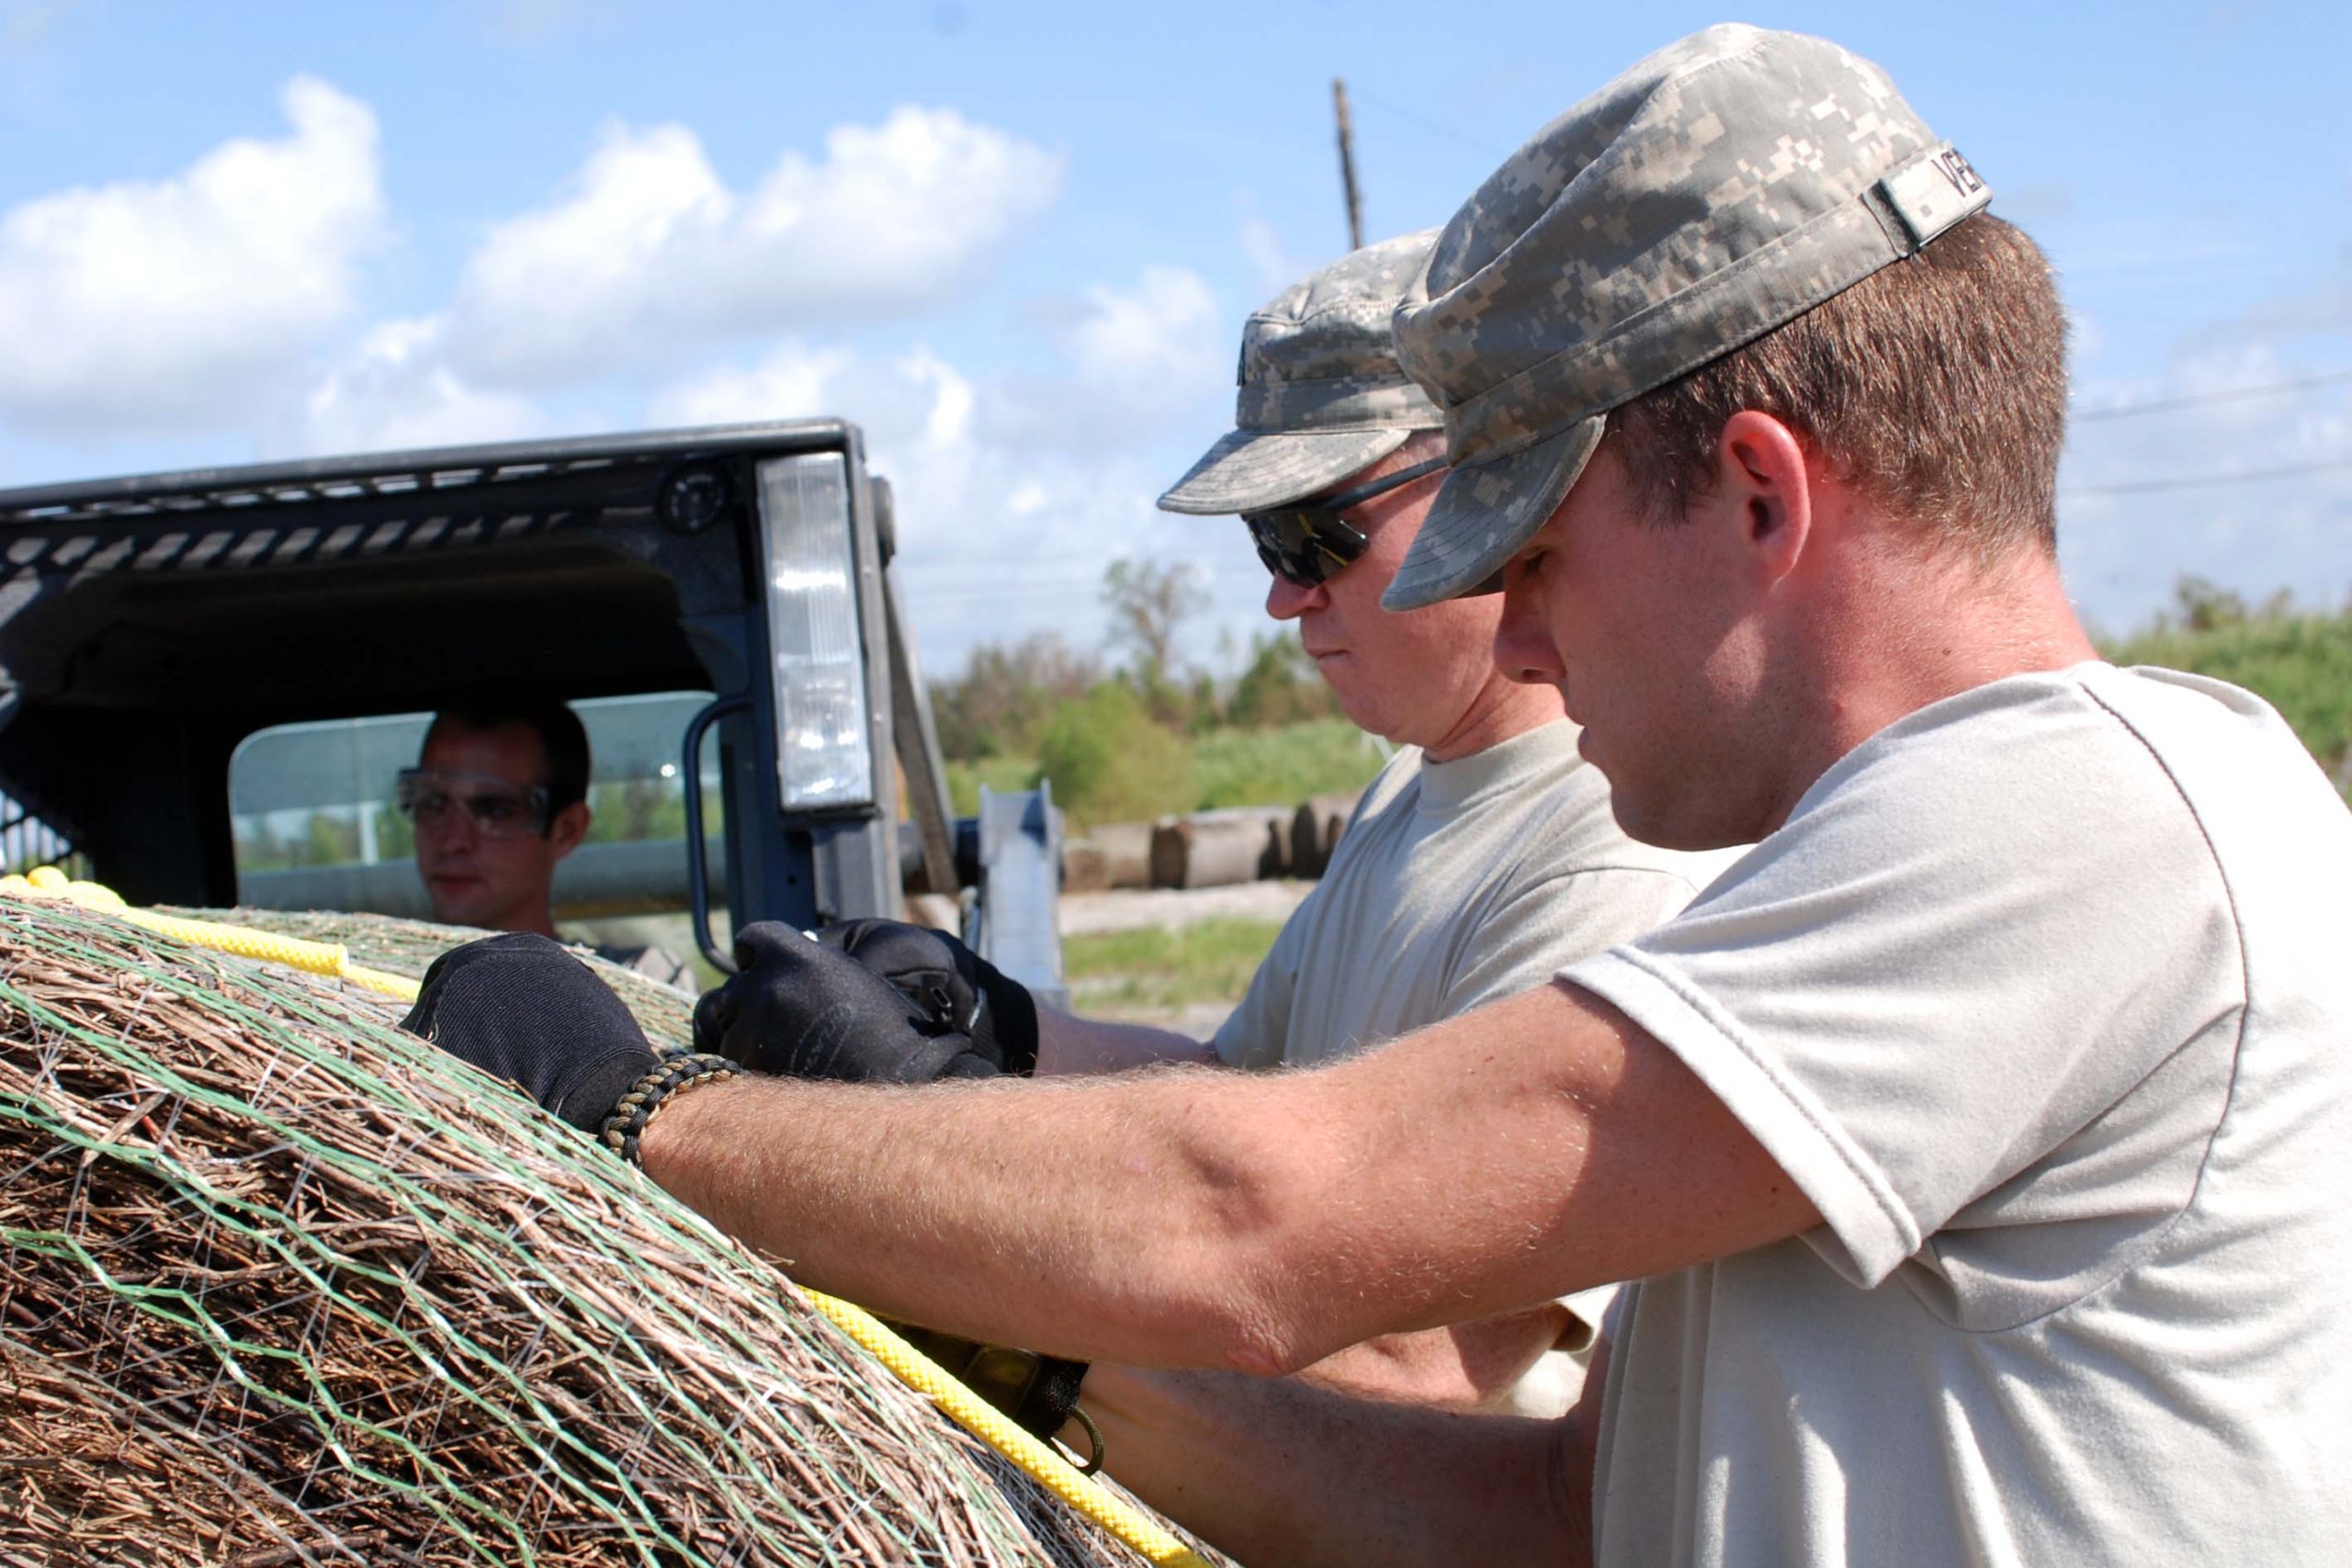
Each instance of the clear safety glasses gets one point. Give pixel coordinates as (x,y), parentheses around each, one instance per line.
(498,808)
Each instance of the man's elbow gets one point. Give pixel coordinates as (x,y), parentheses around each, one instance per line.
(1235,1298)
(1229,1330)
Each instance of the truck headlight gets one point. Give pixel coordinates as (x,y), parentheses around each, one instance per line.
(824,755)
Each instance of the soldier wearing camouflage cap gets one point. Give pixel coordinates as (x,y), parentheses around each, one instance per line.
(1640,236)
(1979,1140)
(1481,859)
(1485,855)
(1755,418)
(1322,398)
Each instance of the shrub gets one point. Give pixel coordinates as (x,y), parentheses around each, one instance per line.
(1109,763)
(1283,767)
(1008,689)
(2300,662)
(1281,685)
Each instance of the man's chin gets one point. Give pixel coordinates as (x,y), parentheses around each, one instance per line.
(457,901)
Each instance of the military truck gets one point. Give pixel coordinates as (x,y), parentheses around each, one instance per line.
(155,630)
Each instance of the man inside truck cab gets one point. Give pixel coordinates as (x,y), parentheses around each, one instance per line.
(497,797)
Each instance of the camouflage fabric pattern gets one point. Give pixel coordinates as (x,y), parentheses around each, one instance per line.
(1718,189)
(1322,396)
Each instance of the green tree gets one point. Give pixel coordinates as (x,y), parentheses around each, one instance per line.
(329,839)
(1109,761)
(1280,685)
(395,834)
(1006,693)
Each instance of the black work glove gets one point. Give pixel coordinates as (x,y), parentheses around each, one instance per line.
(810,1008)
(520,1008)
(950,981)
(800,1008)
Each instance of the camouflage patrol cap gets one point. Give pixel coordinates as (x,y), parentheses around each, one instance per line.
(1720,188)
(1322,395)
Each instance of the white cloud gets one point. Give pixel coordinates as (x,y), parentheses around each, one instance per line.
(165,302)
(791,382)
(397,393)
(1013,493)
(1138,359)
(1164,337)
(648,253)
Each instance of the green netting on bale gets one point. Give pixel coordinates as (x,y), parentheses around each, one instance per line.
(409,947)
(286,1286)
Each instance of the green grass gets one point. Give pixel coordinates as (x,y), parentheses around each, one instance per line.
(1283,767)
(1158,973)
(1231,767)
(2299,662)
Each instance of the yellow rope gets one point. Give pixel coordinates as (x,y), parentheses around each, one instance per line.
(1039,1460)
(328,958)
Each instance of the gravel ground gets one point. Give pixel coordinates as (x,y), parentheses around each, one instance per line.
(1085,913)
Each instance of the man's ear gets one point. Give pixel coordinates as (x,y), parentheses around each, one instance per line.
(1761,473)
(568,828)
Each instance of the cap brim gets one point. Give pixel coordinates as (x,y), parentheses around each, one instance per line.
(1250,470)
(1484,516)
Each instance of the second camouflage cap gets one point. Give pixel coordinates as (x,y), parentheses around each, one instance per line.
(1720,188)
(1322,395)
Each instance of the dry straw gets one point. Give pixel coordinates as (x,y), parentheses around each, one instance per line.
(285,1286)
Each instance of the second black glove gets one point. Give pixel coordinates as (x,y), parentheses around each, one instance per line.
(949,980)
(800,1008)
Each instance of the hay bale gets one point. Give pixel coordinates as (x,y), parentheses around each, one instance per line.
(1315,830)
(1126,853)
(1219,848)
(1085,867)
(409,947)
(286,1286)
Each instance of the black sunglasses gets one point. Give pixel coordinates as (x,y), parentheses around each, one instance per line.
(1307,544)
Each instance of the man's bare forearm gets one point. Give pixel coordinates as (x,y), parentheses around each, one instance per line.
(1279,1470)
(1096,1218)
(1255,1222)
(1067,1043)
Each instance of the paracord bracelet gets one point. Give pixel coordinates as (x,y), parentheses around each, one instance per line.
(622,1129)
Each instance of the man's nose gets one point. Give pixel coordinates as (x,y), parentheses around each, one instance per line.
(1286,601)
(453,830)
(1524,650)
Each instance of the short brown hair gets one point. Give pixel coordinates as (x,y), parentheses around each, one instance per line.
(1937,387)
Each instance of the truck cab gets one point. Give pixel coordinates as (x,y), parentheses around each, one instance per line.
(157,631)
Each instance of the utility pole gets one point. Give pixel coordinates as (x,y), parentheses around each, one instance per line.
(1347,164)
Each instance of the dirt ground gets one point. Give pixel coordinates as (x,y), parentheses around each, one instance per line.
(1087,914)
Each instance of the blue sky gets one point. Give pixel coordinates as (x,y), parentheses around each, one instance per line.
(1016,242)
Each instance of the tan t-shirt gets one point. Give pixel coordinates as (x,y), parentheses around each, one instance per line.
(2044,997)
(1458,884)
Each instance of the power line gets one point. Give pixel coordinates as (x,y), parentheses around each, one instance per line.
(1451,132)
(2206,400)
(2209,481)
